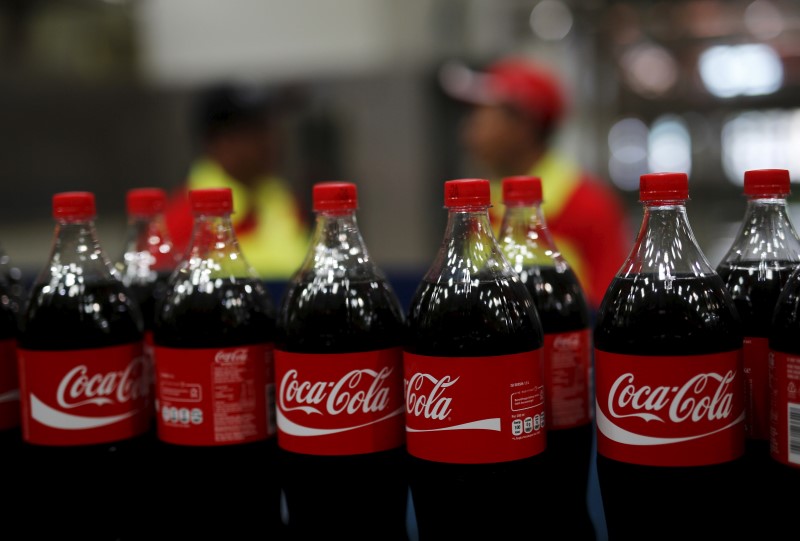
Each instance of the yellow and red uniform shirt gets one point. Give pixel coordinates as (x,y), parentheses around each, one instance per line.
(272,231)
(588,222)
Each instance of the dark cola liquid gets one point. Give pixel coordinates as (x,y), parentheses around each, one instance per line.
(64,487)
(355,497)
(226,490)
(467,501)
(755,301)
(562,307)
(782,494)
(641,316)
(148,296)
(10,439)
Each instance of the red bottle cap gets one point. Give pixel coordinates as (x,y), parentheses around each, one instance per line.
(467,192)
(74,206)
(663,187)
(334,196)
(146,201)
(522,190)
(211,200)
(765,182)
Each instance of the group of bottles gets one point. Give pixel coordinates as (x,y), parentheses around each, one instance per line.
(696,373)
(336,413)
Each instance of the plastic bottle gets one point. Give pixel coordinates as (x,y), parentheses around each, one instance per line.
(11,300)
(474,379)
(83,385)
(214,337)
(669,383)
(755,269)
(783,474)
(340,388)
(147,260)
(563,310)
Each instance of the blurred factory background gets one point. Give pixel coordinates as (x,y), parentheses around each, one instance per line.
(95,95)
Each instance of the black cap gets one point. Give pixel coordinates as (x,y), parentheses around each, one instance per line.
(226,106)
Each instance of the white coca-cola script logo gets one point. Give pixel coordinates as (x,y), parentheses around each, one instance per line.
(425,396)
(358,391)
(567,341)
(78,387)
(707,396)
(236,356)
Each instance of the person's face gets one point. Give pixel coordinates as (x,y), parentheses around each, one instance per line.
(246,151)
(253,147)
(495,136)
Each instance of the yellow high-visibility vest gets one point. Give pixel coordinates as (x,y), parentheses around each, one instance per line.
(275,238)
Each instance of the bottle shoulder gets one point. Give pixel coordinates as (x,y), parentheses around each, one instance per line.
(684,314)
(83,315)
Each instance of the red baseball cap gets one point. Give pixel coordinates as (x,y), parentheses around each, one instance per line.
(525,84)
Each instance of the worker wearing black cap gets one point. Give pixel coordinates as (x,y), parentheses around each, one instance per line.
(235,124)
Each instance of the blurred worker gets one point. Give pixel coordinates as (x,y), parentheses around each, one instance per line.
(517,106)
(238,147)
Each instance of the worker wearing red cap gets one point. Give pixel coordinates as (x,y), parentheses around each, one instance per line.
(517,107)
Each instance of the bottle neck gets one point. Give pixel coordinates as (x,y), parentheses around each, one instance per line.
(214,248)
(765,235)
(76,256)
(666,245)
(469,250)
(337,246)
(148,248)
(526,239)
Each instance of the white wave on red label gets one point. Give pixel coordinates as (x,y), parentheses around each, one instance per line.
(83,397)
(339,404)
(683,410)
(445,422)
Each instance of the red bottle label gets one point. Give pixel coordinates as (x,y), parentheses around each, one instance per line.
(784,405)
(83,396)
(568,377)
(340,403)
(9,385)
(215,396)
(755,356)
(670,410)
(475,410)
(150,360)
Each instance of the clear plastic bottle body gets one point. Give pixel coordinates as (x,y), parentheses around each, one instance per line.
(471,305)
(215,305)
(11,300)
(762,256)
(147,262)
(77,303)
(339,302)
(764,253)
(782,473)
(564,314)
(214,298)
(667,312)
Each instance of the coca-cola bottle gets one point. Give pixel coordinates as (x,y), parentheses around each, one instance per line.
(474,384)
(148,258)
(783,473)
(214,335)
(10,313)
(756,267)
(338,363)
(83,388)
(561,304)
(669,383)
